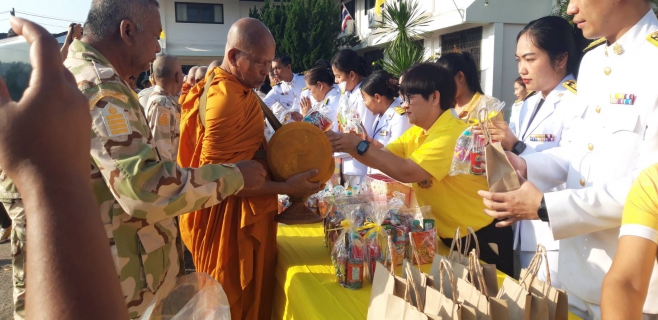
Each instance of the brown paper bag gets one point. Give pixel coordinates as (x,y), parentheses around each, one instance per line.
(459,262)
(556,299)
(440,302)
(484,306)
(522,303)
(501,176)
(390,295)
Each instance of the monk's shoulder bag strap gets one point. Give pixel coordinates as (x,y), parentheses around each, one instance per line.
(269,115)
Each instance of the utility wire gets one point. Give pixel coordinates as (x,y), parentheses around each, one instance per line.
(46,17)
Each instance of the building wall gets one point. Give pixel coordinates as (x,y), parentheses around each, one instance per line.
(196,43)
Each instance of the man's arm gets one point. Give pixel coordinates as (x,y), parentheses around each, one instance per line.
(272,96)
(145,186)
(626,285)
(75,32)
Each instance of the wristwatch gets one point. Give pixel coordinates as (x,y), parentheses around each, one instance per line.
(542,212)
(362,147)
(518,148)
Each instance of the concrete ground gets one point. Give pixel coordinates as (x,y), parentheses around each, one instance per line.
(6,303)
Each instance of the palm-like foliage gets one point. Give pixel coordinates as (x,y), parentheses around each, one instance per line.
(401,24)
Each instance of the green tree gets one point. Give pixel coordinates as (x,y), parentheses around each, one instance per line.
(306,30)
(401,23)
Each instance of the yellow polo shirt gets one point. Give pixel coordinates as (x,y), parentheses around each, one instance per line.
(454,200)
(640,217)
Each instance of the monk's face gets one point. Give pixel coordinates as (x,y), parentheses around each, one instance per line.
(253,67)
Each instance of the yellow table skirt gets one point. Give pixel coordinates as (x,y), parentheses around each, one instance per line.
(306,287)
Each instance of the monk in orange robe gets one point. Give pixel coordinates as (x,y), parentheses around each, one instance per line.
(235,241)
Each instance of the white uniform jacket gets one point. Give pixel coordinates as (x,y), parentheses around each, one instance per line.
(613,135)
(287,95)
(390,126)
(543,133)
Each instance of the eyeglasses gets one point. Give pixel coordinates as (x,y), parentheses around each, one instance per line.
(406,98)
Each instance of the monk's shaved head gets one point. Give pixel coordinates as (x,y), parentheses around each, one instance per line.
(249,52)
(248,33)
(214,64)
(191,76)
(200,73)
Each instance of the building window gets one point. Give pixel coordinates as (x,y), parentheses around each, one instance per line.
(370,4)
(463,41)
(188,12)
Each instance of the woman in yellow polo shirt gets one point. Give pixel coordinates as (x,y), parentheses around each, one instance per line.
(423,155)
(626,285)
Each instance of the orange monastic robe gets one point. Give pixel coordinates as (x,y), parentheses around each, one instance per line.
(234,241)
(184,91)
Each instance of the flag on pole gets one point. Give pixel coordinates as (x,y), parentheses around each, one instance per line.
(378,6)
(345,16)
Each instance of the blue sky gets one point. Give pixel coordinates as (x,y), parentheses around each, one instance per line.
(67,10)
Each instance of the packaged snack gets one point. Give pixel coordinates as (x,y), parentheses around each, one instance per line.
(461,157)
(422,238)
(318,119)
(355,127)
(375,237)
(348,254)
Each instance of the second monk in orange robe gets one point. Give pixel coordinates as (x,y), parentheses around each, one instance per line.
(235,241)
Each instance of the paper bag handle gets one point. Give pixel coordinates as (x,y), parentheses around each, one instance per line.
(410,280)
(414,252)
(533,269)
(390,252)
(456,242)
(483,120)
(445,267)
(473,264)
(471,232)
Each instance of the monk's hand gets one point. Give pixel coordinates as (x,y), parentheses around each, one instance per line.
(344,142)
(513,206)
(253,174)
(53,147)
(299,186)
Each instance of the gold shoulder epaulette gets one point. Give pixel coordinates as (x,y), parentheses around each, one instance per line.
(653,38)
(571,86)
(517,101)
(594,44)
(279,83)
(304,88)
(400,110)
(530,94)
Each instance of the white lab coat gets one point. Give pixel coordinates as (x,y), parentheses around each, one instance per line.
(609,145)
(389,126)
(543,133)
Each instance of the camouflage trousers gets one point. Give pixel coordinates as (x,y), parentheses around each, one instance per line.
(17,214)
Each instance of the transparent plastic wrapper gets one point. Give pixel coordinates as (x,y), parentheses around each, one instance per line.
(335,208)
(376,237)
(422,239)
(402,222)
(461,157)
(355,127)
(344,110)
(319,119)
(491,104)
(348,254)
(194,296)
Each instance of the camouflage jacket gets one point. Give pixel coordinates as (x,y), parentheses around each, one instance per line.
(8,189)
(138,193)
(163,115)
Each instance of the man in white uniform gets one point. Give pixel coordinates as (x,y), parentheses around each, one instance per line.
(287,92)
(613,136)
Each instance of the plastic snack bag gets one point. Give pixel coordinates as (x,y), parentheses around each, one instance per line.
(461,157)
(422,241)
(376,238)
(318,119)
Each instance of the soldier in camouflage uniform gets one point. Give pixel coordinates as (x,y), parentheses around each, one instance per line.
(138,192)
(162,109)
(13,203)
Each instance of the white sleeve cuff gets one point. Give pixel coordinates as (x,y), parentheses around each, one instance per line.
(639,231)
